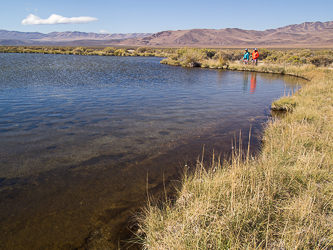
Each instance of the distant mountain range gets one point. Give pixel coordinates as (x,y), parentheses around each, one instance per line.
(62,38)
(309,33)
(299,35)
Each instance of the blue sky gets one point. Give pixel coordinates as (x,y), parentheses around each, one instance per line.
(150,16)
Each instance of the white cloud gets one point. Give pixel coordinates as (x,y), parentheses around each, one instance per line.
(104,32)
(56,19)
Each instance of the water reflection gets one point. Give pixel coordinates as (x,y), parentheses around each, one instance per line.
(253,82)
(80,134)
(245,81)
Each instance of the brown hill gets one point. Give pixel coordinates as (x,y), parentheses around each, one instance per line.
(305,34)
(309,34)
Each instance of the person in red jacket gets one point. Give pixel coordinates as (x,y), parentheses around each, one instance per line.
(255,56)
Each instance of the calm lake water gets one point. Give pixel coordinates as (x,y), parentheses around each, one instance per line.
(82,137)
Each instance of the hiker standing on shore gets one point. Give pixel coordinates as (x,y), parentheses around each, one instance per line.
(255,56)
(246,57)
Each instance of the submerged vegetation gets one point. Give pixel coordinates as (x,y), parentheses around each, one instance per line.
(280,199)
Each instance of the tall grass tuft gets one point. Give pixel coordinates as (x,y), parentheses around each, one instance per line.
(280,199)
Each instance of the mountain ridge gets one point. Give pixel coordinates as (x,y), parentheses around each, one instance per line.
(65,36)
(315,33)
(307,33)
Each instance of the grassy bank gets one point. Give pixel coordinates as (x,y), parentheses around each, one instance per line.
(279,199)
(191,57)
(215,58)
(94,51)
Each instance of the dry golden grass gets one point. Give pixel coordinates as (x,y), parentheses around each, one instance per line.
(280,199)
(294,70)
(278,60)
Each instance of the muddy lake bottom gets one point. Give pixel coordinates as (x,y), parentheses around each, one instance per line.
(84,139)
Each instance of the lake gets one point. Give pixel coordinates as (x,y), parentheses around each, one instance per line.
(85,138)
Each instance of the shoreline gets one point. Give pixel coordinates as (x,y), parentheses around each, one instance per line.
(293,171)
(254,70)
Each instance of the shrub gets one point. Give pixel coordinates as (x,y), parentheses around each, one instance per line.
(120,52)
(144,50)
(284,104)
(110,50)
(173,57)
(226,55)
(321,60)
(78,51)
(208,52)
(271,58)
(264,53)
(190,57)
(294,59)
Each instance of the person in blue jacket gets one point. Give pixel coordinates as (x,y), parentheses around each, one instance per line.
(246,56)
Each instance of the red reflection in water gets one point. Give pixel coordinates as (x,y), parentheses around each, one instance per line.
(253,82)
